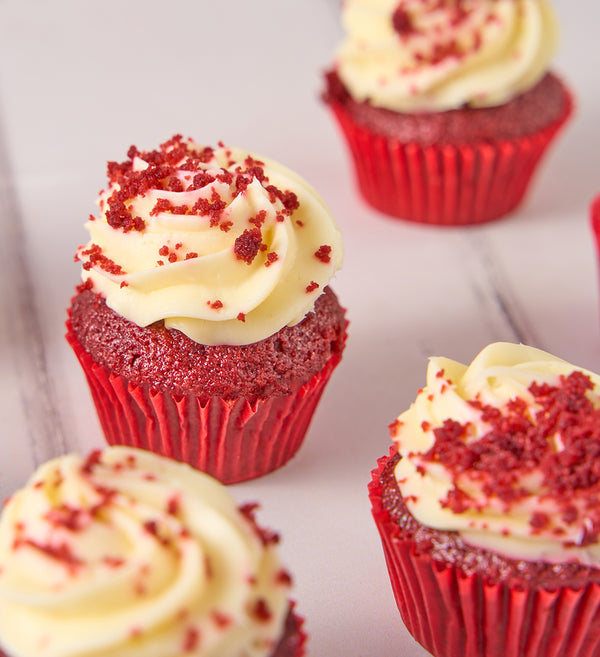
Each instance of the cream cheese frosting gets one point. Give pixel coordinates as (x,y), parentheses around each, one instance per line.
(128,554)
(224,245)
(432,55)
(502,451)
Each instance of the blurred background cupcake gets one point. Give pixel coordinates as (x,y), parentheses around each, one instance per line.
(447,108)
(204,322)
(487,507)
(125,553)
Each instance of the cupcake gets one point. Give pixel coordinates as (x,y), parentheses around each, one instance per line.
(488,507)
(448,107)
(126,553)
(204,321)
(595,222)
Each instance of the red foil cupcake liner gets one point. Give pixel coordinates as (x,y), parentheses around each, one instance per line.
(595,222)
(449,184)
(232,440)
(456,615)
(293,641)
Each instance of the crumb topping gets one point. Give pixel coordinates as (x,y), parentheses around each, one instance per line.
(163,173)
(323,253)
(456,15)
(559,439)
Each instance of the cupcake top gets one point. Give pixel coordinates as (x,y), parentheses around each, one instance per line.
(505,452)
(432,55)
(226,246)
(128,554)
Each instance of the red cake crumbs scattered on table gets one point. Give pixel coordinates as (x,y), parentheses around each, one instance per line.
(559,438)
(311,287)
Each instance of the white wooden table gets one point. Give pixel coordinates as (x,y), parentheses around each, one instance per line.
(81,81)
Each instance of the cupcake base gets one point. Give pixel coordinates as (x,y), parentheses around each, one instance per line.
(444,183)
(232,440)
(452,614)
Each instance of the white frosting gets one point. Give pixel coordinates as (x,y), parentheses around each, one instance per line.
(500,373)
(134,556)
(477,52)
(216,297)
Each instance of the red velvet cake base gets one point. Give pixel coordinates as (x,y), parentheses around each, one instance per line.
(232,440)
(453,614)
(442,182)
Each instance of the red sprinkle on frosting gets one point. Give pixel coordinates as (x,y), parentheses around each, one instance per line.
(323,253)
(558,438)
(247,245)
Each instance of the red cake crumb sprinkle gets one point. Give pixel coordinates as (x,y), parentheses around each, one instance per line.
(271,258)
(323,253)
(215,305)
(190,255)
(93,459)
(151,527)
(95,258)
(402,21)
(559,438)
(60,552)
(72,518)
(283,577)
(241,317)
(164,250)
(394,427)
(113,562)
(247,245)
(221,619)
(191,640)
(311,287)
(87,285)
(266,536)
(173,505)
(259,219)
(261,611)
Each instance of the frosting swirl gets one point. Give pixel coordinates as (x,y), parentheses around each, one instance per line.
(432,55)
(226,246)
(129,554)
(504,452)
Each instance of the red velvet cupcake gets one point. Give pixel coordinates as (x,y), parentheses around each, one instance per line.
(595,223)
(447,109)
(487,507)
(204,323)
(128,553)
